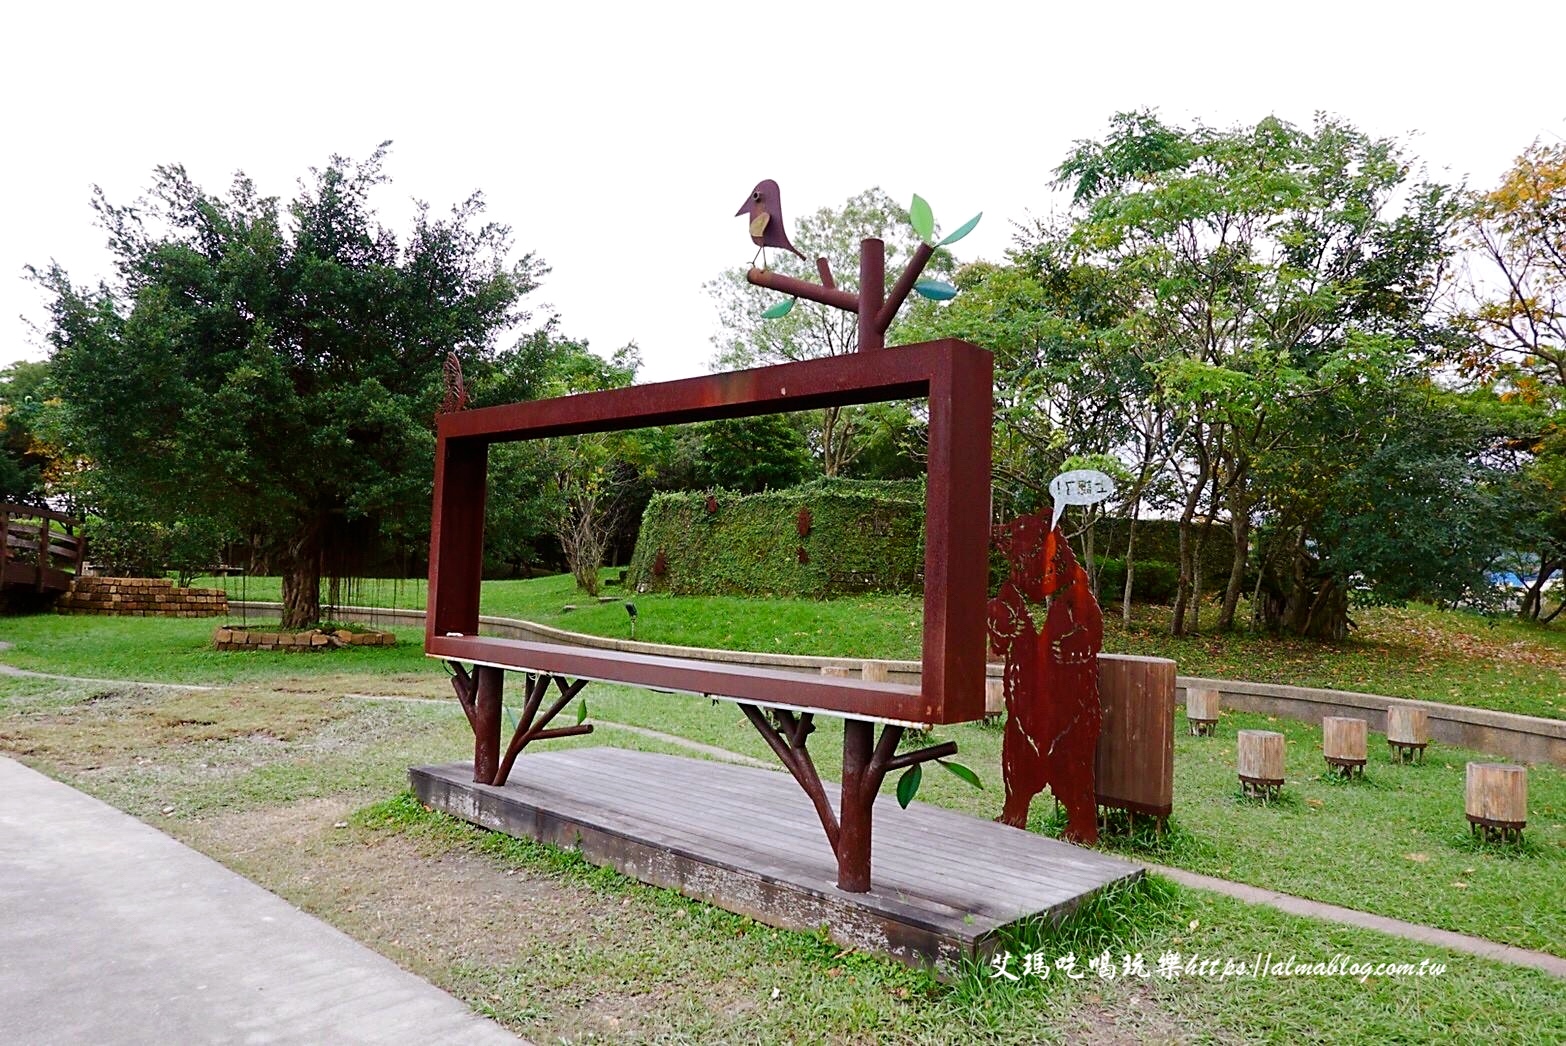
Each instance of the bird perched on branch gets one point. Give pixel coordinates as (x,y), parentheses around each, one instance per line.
(766,220)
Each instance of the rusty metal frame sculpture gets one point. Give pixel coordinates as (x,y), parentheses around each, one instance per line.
(954,376)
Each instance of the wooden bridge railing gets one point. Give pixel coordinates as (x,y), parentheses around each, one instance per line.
(41,548)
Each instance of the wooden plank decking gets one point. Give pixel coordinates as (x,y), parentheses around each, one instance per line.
(746,839)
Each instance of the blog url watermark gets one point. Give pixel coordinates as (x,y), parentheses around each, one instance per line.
(1172,966)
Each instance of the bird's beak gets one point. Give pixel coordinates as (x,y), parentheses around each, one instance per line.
(745,208)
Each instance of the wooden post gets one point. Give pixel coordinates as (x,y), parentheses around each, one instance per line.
(1261,762)
(1497,800)
(1343,744)
(1134,763)
(874,672)
(1201,710)
(5,542)
(994,697)
(1408,732)
(43,549)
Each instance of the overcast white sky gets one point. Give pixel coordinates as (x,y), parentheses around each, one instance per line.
(618,140)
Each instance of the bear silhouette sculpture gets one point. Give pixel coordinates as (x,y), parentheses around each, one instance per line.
(1051,683)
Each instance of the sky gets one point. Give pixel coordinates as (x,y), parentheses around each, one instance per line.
(617,140)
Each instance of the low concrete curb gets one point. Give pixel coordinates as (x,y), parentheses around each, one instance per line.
(113,932)
(1528,739)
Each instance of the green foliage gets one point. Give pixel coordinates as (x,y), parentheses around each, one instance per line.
(908,785)
(864,537)
(921,218)
(276,368)
(26,458)
(138,548)
(749,455)
(1154,581)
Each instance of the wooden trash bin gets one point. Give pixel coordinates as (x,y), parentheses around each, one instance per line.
(1408,732)
(1497,801)
(1343,744)
(1201,710)
(1261,763)
(1134,764)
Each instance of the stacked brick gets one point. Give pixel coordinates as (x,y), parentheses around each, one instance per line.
(311,639)
(140,597)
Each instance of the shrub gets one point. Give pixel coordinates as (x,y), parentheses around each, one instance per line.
(862,536)
(1153,581)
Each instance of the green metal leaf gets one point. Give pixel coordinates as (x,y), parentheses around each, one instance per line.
(581,714)
(936,290)
(967,227)
(964,773)
(779,310)
(922,218)
(907,785)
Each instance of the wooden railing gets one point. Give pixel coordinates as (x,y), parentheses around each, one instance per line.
(41,547)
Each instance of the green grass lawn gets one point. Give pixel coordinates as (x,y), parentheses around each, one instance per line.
(1416,651)
(1395,843)
(305,793)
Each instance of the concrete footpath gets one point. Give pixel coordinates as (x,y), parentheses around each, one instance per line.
(112,932)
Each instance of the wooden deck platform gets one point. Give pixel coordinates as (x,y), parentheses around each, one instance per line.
(746,839)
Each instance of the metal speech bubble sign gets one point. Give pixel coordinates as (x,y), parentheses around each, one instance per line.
(1078,487)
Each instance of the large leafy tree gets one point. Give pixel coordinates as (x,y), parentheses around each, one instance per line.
(1517,344)
(1257,268)
(275,368)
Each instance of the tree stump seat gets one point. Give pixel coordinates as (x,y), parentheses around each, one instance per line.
(1201,711)
(1260,758)
(1343,744)
(1408,732)
(1497,801)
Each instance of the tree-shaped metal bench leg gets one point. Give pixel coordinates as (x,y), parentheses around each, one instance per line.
(866,762)
(480,694)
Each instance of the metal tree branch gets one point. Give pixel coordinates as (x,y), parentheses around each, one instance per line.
(528,731)
(866,762)
(874,307)
(796,758)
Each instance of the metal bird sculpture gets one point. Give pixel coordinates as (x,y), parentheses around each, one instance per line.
(766,220)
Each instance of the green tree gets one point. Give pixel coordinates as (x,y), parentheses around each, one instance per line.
(28,461)
(810,330)
(275,369)
(753,454)
(1388,494)
(1516,346)
(1257,266)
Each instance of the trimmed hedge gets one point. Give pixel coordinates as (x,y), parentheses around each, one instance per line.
(863,536)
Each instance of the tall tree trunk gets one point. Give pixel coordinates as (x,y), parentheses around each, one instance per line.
(1193,498)
(1533,598)
(829,416)
(1240,529)
(301,565)
(1143,476)
(1125,596)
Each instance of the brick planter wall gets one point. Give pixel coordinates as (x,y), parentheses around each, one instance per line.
(312,639)
(140,597)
